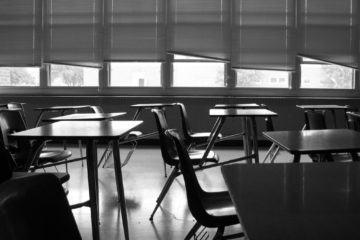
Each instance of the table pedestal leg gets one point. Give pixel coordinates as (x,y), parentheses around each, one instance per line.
(91,153)
(120,186)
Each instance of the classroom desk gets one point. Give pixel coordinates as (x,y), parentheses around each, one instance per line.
(61,109)
(324,107)
(248,117)
(239,105)
(324,141)
(86,117)
(286,201)
(90,132)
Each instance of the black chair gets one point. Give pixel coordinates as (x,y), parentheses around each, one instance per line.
(131,138)
(192,138)
(353,122)
(35,207)
(11,121)
(210,209)
(170,157)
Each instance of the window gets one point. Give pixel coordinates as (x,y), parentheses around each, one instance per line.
(135,74)
(316,74)
(73,76)
(262,79)
(197,72)
(20,76)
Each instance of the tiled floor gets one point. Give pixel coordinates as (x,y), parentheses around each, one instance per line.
(143,181)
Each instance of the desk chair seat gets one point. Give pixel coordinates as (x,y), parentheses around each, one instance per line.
(210,209)
(171,158)
(35,207)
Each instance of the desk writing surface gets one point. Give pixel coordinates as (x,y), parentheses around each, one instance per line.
(85,117)
(354,114)
(316,141)
(304,201)
(152,105)
(79,130)
(60,108)
(238,105)
(323,106)
(218,112)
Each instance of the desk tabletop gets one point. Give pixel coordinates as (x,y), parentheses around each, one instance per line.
(85,117)
(296,201)
(354,114)
(316,141)
(83,130)
(152,105)
(323,107)
(238,112)
(238,105)
(61,108)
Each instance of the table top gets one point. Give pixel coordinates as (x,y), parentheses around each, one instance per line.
(83,130)
(354,114)
(324,107)
(152,105)
(238,105)
(85,117)
(259,112)
(316,141)
(296,201)
(61,108)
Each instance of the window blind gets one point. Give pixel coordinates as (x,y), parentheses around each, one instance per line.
(73,32)
(199,28)
(134,30)
(328,30)
(263,34)
(20,32)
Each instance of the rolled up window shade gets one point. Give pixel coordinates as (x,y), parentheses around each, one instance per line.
(73,32)
(135,30)
(263,34)
(20,32)
(199,28)
(328,30)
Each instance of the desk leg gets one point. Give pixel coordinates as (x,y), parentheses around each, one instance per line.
(120,186)
(254,139)
(91,153)
(296,158)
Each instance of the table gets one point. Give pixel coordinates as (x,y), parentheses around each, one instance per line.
(316,141)
(61,109)
(85,117)
(325,107)
(150,106)
(90,132)
(239,105)
(250,132)
(296,201)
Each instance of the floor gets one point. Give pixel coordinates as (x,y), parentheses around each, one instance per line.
(143,181)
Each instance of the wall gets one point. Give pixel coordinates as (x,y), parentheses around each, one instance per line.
(290,117)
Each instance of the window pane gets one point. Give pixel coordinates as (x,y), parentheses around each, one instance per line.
(20,76)
(135,74)
(195,74)
(73,76)
(326,76)
(262,79)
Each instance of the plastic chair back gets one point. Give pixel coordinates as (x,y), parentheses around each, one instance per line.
(315,120)
(185,122)
(168,150)
(20,107)
(97,109)
(35,207)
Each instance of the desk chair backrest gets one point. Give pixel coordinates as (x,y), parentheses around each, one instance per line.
(185,122)
(20,107)
(168,150)
(96,109)
(35,207)
(315,120)
(353,122)
(194,193)
(11,121)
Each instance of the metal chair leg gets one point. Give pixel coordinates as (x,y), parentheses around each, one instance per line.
(169,181)
(192,232)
